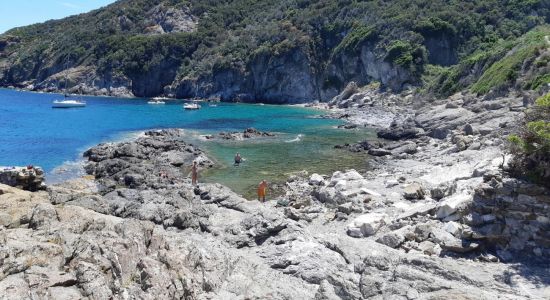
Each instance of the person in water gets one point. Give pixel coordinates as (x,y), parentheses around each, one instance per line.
(262,190)
(238,159)
(194,173)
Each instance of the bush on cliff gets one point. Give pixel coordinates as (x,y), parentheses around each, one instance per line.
(531,147)
(498,64)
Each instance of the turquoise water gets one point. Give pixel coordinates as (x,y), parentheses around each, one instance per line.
(31,132)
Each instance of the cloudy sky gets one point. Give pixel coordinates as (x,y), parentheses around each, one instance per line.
(25,12)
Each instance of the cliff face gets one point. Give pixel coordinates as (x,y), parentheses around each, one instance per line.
(286,78)
(256,51)
(366,65)
(294,77)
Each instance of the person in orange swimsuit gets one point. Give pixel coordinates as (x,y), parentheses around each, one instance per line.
(262,190)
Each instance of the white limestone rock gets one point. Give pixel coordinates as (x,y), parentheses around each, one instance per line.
(453,204)
(316,179)
(368,223)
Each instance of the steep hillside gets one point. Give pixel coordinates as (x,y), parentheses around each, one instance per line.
(520,63)
(259,50)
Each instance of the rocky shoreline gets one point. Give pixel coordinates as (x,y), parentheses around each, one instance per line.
(436,217)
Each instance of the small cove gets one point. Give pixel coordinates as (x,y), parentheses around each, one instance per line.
(34,133)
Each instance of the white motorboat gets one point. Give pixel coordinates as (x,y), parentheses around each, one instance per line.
(191,106)
(68,104)
(156,102)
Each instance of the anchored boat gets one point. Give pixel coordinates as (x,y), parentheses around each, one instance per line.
(156,102)
(68,104)
(191,106)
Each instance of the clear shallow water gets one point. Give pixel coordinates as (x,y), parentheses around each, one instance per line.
(31,132)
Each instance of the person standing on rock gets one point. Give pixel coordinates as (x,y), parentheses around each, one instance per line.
(194,173)
(262,191)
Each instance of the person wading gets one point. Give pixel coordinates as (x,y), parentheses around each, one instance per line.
(262,190)
(194,173)
(238,159)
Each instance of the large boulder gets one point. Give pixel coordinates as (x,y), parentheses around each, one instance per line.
(453,205)
(316,179)
(443,190)
(414,191)
(399,133)
(395,238)
(367,224)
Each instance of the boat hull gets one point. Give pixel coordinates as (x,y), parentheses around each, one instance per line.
(191,106)
(56,104)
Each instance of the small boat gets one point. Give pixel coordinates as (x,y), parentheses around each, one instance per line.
(68,104)
(156,102)
(160,98)
(213,105)
(191,106)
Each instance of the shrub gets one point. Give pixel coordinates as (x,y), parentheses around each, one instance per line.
(358,35)
(531,148)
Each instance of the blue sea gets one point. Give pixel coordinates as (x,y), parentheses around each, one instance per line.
(31,132)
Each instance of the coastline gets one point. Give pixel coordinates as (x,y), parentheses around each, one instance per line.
(419,219)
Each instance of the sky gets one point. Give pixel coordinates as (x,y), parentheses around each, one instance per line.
(25,12)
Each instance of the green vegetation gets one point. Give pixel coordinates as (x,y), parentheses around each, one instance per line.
(232,34)
(537,82)
(497,65)
(357,36)
(506,70)
(531,148)
(407,55)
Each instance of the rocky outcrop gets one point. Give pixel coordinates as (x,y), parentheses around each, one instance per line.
(512,216)
(286,77)
(400,131)
(155,158)
(248,133)
(162,19)
(501,215)
(365,65)
(158,236)
(26,178)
